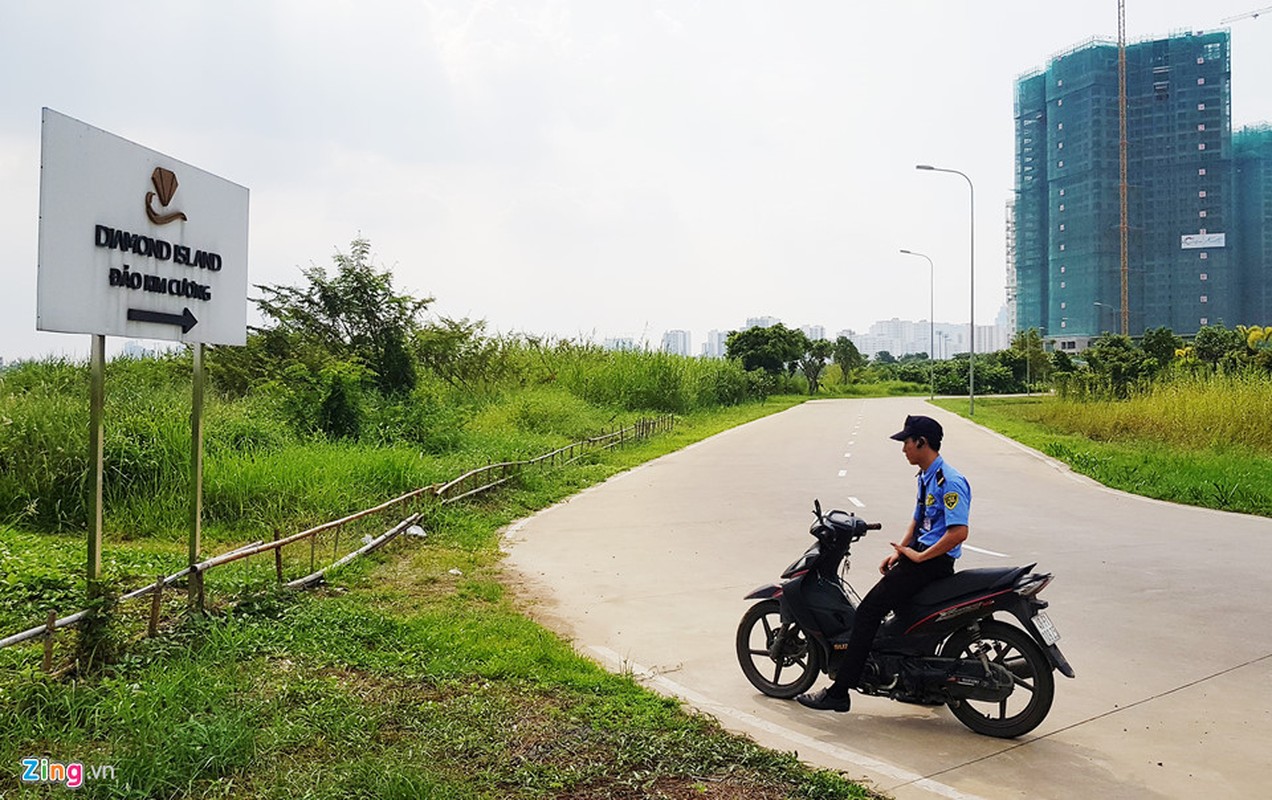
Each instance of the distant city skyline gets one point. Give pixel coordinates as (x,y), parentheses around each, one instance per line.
(895,336)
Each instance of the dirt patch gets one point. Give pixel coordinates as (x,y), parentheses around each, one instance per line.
(684,789)
(533,596)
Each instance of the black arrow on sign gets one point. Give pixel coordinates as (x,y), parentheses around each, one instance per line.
(185,319)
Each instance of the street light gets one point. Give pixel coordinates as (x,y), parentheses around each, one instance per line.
(1100,314)
(971,360)
(931,318)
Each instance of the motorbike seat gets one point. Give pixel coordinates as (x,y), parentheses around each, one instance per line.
(968,581)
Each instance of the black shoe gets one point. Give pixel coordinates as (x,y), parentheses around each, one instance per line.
(824,701)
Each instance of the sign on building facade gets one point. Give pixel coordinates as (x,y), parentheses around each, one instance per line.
(1199,241)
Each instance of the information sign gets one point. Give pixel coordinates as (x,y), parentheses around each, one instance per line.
(135,243)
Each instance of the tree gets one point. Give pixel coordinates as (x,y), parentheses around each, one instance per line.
(1161,343)
(1037,364)
(1062,362)
(1213,342)
(354,315)
(1256,337)
(814,361)
(884,357)
(1015,361)
(1258,345)
(1116,359)
(847,356)
(459,352)
(776,349)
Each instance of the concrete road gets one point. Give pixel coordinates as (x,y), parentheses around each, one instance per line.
(1163,609)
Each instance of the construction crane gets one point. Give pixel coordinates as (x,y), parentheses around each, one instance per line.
(1123,226)
(1248,14)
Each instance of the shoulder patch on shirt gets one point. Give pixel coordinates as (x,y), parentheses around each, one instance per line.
(951,500)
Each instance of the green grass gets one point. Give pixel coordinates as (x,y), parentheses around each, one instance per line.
(266,464)
(889,388)
(1191,412)
(403,679)
(1193,454)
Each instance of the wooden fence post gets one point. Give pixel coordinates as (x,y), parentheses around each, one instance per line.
(278,559)
(156,600)
(196,591)
(49,629)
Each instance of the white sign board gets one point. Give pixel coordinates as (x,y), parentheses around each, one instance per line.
(1198,241)
(135,243)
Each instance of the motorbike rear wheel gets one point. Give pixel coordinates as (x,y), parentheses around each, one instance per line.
(777,659)
(1014,649)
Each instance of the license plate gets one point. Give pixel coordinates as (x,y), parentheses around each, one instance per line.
(1045,628)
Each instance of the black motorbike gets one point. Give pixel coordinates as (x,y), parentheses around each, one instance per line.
(943,648)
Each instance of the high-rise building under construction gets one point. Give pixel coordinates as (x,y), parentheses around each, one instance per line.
(1252,157)
(1188,265)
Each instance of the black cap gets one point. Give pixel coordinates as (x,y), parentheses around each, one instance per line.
(917,426)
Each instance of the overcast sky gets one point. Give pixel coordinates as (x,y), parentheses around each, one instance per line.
(587,168)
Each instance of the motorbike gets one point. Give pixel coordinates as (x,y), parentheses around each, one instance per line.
(945,647)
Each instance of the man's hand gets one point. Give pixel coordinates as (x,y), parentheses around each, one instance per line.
(888,563)
(904,552)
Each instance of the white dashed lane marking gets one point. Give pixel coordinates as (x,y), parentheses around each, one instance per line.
(985,552)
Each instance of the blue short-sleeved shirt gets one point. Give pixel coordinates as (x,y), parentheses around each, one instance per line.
(944,499)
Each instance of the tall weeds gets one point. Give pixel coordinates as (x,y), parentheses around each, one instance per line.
(1190,411)
(267,464)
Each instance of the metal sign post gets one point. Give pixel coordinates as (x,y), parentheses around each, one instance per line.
(196,456)
(96,407)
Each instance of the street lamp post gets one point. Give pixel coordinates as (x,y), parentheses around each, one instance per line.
(931,319)
(1100,313)
(971,360)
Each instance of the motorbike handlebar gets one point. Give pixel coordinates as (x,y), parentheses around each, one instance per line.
(844,521)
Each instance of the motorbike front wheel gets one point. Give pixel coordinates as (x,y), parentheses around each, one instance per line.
(778,659)
(1035,686)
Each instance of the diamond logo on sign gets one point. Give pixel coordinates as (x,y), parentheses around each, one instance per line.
(165,183)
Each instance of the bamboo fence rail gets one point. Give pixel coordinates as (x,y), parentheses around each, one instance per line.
(473,482)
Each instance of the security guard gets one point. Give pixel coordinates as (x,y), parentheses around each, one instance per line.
(934,539)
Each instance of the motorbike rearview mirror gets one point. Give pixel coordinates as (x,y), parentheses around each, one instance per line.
(817,508)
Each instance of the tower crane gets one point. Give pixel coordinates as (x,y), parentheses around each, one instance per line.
(1248,14)
(1123,216)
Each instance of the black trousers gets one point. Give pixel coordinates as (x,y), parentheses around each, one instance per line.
(897,586)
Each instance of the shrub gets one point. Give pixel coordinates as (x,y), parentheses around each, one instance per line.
(429,418)
(340,412)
